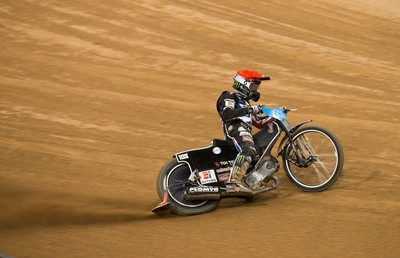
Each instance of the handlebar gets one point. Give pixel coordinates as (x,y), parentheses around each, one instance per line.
(290,109)
(286,110)
(276,112)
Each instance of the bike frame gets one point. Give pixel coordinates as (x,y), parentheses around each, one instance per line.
(220,156)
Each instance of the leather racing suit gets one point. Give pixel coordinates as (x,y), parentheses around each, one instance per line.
(237,123)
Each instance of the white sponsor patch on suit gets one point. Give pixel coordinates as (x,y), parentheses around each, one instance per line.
(244,133)
(230,103)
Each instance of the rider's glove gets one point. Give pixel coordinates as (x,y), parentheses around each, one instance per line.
(253,110)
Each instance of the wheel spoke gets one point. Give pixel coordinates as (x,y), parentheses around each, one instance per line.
(323,165)
(322,178)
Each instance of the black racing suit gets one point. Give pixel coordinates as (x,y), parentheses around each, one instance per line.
(237,124)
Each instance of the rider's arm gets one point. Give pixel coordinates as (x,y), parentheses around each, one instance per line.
(227,106)
(230,114)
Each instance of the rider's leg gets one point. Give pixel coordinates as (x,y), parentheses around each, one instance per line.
(247,153)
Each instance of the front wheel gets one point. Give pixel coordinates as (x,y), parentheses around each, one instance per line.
(315,159)
(172,178)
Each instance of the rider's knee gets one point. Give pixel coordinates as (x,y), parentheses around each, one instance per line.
(250,153)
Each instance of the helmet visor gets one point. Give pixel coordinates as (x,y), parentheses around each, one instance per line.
(253,86)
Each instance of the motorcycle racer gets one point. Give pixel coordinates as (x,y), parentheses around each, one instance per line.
(237,117)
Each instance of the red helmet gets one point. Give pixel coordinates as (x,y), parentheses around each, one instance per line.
(247,82)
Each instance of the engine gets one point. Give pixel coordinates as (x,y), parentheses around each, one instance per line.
(264,171)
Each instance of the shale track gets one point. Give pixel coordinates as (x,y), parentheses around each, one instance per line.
(95,96)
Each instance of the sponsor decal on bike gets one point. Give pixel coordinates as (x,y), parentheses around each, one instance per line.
(183,156)
(207,176)
(204,189)
(224,163)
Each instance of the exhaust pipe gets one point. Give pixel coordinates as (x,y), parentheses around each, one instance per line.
(269,188)
(198,193)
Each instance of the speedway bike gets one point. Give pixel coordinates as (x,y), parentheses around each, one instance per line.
(194,181)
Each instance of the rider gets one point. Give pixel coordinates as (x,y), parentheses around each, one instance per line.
(237,117)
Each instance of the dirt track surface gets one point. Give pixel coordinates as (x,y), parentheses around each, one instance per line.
(97,95)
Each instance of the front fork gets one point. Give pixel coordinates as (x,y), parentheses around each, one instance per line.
(300,159)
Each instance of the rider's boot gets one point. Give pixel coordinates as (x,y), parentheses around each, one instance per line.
(234,185)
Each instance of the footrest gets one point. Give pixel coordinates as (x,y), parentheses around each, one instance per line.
(162,206)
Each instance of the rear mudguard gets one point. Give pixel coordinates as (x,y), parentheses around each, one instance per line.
(213,162)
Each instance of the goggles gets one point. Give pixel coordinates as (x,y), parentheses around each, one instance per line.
(251,85)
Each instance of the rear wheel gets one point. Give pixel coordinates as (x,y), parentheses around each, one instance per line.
(316,160)
(173,176)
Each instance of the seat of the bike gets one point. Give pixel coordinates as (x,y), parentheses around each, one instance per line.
(221,143)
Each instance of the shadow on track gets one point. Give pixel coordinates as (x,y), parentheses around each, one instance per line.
(24,208)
